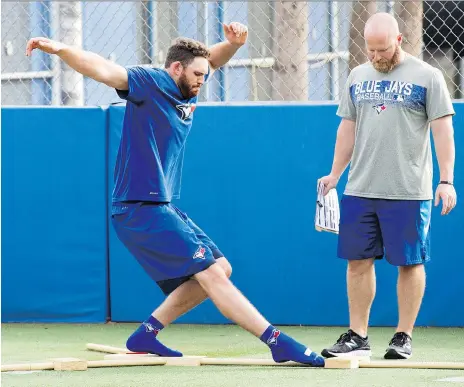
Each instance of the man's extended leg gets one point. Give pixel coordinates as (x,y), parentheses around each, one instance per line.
(230,301)
(184,298)
(233,305)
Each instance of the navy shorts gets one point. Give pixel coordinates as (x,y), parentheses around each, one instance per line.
(398,230)
(169,246)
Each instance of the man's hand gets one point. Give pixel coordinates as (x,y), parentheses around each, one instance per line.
(236,33)
(46,45)
(329,182)
(447,194)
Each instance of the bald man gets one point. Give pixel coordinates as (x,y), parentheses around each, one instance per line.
(387,109)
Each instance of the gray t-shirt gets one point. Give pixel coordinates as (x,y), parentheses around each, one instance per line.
(392,156)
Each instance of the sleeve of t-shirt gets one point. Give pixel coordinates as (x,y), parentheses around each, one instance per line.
(141,80)
(438,100)
(346,108)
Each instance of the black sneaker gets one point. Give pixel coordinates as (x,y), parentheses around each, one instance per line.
(349,344)
(400,347)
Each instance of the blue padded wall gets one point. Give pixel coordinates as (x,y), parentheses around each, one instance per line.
(54,220)
(249,181)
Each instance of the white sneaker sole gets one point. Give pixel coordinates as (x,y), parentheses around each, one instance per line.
(358,352)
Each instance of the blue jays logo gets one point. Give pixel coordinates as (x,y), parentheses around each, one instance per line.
(273,339)
(380,107)
(187,110)
(150,328)
(200,253)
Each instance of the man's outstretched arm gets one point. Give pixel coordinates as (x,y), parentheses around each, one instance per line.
(85,62)
(236,35)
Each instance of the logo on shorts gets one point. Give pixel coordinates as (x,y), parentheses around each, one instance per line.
(150,328)
(200,253)
(380,107)
(273,339)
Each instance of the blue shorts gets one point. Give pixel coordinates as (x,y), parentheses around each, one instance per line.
(374,228)
(169,246)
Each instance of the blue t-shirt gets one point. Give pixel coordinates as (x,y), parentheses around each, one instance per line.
(157,122)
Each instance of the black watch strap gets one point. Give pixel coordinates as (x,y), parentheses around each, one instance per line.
(446,182)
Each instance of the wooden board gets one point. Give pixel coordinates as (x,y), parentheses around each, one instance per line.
(342,362)
(108,349)
(126,362)
(39,366)
(69,364)
(412,364)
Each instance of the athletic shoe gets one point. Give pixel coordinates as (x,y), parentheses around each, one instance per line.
(400,347)
(349,344)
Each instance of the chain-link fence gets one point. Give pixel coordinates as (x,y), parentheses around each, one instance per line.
(296,51)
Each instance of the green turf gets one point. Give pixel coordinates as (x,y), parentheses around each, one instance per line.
(32,342)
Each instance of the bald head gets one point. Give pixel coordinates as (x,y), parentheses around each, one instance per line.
(383,41)
(381,24)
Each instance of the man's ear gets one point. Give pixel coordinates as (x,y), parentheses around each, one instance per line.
(400,39)
(176,68)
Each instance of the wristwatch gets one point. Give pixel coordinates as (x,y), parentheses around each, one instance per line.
(446,182)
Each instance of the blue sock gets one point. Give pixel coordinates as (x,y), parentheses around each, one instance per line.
(284,348)
(144,339)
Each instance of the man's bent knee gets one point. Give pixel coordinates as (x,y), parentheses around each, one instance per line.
(214,274)
(226,266)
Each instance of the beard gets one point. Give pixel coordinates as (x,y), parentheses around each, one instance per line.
(387,65)
(186,89)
